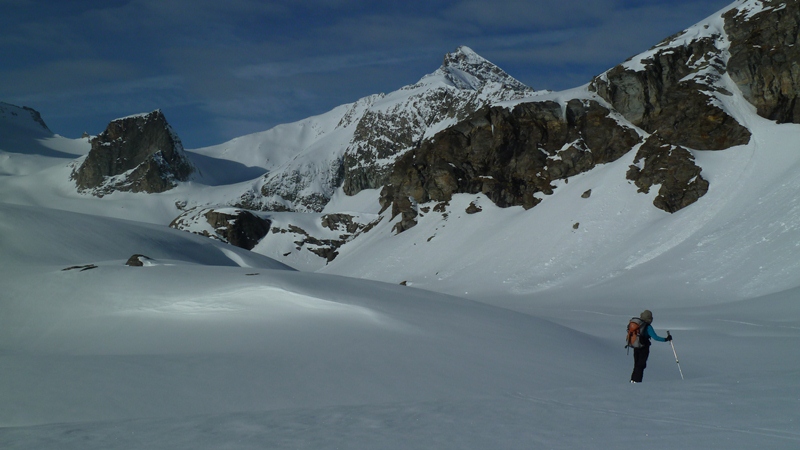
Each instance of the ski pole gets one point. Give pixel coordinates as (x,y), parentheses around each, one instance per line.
(676,356)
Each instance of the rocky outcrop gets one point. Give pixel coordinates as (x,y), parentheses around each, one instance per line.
(673,168)
(667,90)
(509,155)
(138,154)
(137,260)
(346,227)
(304,188)
(764,55)
(236,227)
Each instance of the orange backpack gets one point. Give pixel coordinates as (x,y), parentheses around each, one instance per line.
(635,328)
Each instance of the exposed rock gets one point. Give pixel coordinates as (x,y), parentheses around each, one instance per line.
(324,248)
(764,55)
(667,91)
(294,190)
(348,226)
(242,229)
(508,155)
(673,168)
(138,154)
(82,267)
(341,222)
(136,260)
(234,226)
(473,208)
(587,194)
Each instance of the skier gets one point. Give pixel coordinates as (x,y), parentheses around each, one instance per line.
(640,354)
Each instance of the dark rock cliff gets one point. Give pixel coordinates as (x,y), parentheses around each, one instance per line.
(508,155)
(137,154)
(765,58)
(234,226)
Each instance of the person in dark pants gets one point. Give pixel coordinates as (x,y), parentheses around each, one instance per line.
(641,354)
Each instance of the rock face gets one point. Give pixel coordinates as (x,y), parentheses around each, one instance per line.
(667,90)
(764,57)
(138,154)
(234,226)
(508,155)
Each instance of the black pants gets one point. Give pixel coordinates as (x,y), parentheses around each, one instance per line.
(640,356)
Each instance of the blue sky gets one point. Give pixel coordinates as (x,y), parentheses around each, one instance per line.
(222,69)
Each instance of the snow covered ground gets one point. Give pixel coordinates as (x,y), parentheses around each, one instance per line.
(210,346)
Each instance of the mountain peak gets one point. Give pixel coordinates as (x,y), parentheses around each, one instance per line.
(23,117)
(461,55)
(155,114)
(468,70)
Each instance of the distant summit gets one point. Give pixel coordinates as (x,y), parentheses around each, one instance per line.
(468,70)
(22,117)
(22,130)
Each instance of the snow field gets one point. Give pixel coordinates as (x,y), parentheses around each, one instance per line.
(194,351)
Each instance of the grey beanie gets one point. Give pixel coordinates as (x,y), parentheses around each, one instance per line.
(646,315)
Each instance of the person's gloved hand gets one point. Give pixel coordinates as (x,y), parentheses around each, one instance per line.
(669,337)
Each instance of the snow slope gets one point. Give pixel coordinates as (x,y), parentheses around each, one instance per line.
(209,347)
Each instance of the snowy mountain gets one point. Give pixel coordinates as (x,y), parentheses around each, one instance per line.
(669,139)
(354,145)
(449,265)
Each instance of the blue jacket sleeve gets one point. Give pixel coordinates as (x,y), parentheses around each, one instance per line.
(652,333)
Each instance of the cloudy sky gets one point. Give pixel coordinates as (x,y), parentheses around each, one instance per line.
(222,69)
